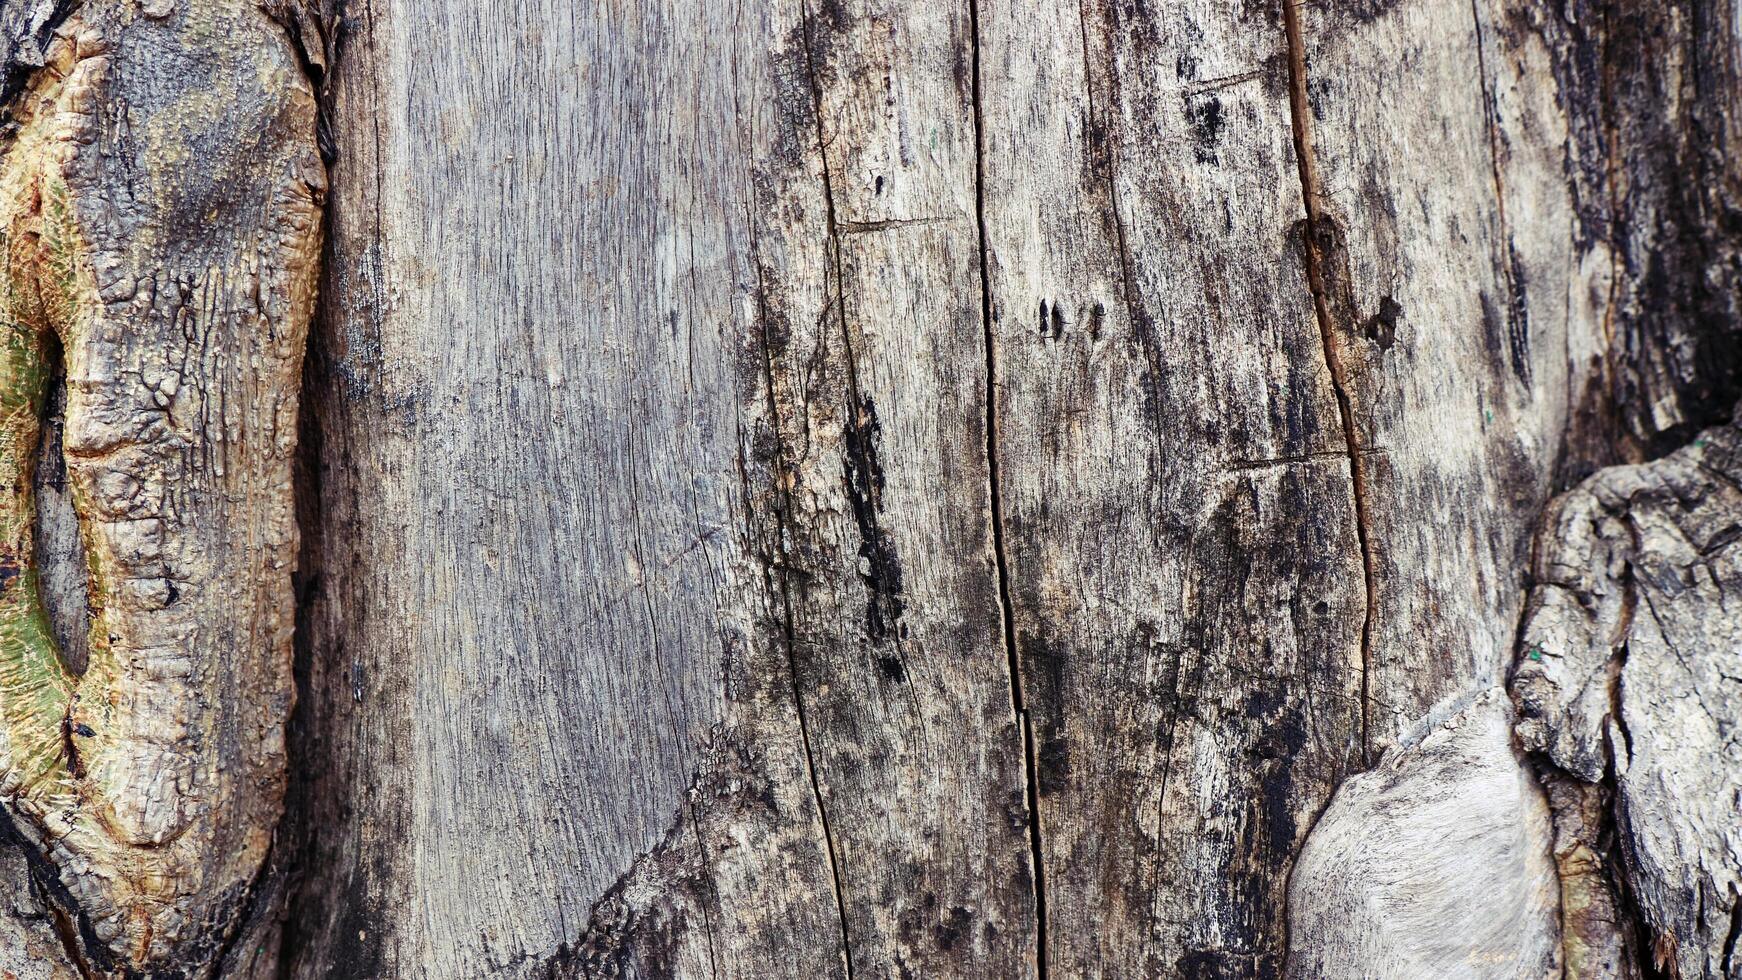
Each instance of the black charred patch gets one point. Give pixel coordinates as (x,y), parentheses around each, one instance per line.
(361,932)
(879,568)
(1493,330)
(1053,767)
(1359,12)
(1518,319)
(956,924)
(1204,114)
(910,924)
(1280,742)
(891,668)
(1381,327)
(920,924)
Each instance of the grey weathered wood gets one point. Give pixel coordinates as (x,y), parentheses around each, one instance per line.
(659,384)
(1172,470)
(989,488)
(1240,485)
(757,393)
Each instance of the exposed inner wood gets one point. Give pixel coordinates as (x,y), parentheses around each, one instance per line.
(1432,864)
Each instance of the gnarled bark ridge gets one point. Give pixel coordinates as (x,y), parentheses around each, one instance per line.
(1630,688)
(160,200)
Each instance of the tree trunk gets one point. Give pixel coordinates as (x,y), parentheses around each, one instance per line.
(861,488)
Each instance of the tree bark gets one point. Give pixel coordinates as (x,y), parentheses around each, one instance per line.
(857,488)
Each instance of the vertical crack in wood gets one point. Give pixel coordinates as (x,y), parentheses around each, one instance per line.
(1300,117)
(1731,937)
(1516,322)
(788,630)
(833,268)
(1000,553)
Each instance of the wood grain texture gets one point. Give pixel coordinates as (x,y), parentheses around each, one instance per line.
(1172,473)
(878,489)
(586,207)
(1591,228)
(1584,225)
(1323,426)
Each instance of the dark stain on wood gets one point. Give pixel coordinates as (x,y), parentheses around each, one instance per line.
(879,568)
(1204,113)
(1381,327)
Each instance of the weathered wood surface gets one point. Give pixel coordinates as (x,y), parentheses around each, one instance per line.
(592,217)
(1241,475)
(990,488)
(753,371)
(881,486)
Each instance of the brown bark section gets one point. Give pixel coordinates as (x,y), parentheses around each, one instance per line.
(163,199)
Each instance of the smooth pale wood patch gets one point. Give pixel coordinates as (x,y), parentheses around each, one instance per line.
(1432,864)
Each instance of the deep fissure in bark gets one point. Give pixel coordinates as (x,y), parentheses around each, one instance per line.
(1000,555)
(1316,231)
